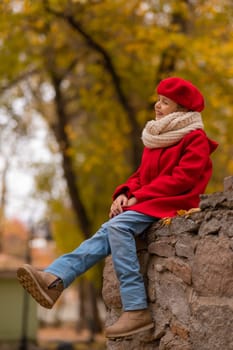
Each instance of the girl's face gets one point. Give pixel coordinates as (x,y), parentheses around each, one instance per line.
(164,106)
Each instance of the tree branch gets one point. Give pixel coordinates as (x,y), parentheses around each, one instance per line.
(18,79)
(64,144)
(109,66)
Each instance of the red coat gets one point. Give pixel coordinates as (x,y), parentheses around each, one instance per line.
(171,178)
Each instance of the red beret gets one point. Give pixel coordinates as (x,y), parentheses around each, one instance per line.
(182,92)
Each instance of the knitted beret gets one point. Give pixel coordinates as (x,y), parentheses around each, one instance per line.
(182,92)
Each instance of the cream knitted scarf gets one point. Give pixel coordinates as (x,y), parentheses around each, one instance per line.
(170,129)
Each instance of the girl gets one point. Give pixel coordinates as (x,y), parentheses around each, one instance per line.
(174,171)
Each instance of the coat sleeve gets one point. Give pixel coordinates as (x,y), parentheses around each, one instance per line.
(132,184)
(184,176)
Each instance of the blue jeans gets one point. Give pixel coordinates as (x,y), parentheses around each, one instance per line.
(115,237)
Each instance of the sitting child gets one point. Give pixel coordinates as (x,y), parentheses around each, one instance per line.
(174,170)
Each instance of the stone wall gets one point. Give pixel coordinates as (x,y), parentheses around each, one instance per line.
(187,263)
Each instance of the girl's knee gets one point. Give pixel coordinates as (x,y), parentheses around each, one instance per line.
(116,226)
(111,226)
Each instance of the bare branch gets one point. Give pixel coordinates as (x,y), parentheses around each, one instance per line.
(109,66)
(18,79)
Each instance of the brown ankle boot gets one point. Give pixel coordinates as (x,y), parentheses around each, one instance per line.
(44,287)
(130,322)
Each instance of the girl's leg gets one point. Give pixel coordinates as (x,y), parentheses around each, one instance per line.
(69,266)
(116,236)
(46,286)
(121,232)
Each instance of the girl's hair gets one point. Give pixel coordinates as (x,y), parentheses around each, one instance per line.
(182,108)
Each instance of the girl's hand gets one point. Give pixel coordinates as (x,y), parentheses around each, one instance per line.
(117,204)
(131,201)
(120,202)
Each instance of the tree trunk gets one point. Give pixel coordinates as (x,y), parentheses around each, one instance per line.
(3,202)
(69,173)
(170,54)
(107,63)
(88,300)
(89,314)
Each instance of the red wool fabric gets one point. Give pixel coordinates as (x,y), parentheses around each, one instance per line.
(171,178)
(182,92)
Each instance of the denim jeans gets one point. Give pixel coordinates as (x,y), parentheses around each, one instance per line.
(115,237)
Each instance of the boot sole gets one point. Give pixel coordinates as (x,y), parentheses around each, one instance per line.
(125,334)
(31,285)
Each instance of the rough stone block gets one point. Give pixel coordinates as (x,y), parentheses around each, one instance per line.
(172,342)
(179,329)
(171,294)
(180,268)
(185,247)
(110,290)
(161,248)
(181,225)
(211,328)
(212,270)
(228,184)
(212,226)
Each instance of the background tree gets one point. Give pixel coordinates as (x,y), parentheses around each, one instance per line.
(89,68)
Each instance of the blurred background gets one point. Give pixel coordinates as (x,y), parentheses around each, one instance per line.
(77,85)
